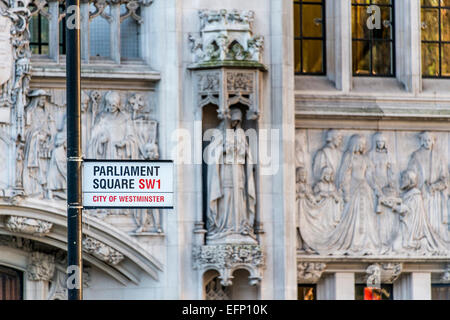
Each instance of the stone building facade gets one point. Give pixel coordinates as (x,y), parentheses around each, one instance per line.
(288,184)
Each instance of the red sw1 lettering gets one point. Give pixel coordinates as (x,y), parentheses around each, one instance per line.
(149,184)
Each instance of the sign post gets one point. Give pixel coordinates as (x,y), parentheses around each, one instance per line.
(74,159)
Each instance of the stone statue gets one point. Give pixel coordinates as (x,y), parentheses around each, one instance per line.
(231,186)
(384,186)
(356,233)
(417,234)
(112,134)
(308,220)
(328,199)
(330,155)
(20,156)
(148,220)
(57,172)
(37,143)
(432,175)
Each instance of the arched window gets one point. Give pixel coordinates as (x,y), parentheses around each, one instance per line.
(129,36)
(11,284)
(109,30)
(436,38)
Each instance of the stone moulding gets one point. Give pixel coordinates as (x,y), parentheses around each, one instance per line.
(226,259)
(102,251)
(377,273)
(310,272)
(31,226)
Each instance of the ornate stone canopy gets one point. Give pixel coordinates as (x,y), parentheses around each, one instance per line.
(227,71)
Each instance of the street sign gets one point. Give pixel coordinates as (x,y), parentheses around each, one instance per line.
(137,184)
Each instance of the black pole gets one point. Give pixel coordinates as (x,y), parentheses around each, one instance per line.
(74,160)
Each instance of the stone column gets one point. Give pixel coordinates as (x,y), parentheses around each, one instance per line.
(84,16)
(277,184)
(53,7)
(413,286)
(408,44)
(339,43)
(337,286)
(40,270)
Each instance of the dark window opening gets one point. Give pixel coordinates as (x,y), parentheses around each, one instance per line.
(11,284)
(309,37)
(435,38)
(373,38)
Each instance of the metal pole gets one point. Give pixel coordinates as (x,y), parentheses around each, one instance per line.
(74,159)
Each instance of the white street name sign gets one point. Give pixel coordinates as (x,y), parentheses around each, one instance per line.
(127,184)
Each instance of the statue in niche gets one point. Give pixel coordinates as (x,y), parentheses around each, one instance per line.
(148,220)
(432,176)
(231,185)
(112,134)
(328,199)
(385,187)
(330,155)
(416,231)
(37,143)
(57,173)
(356,234)
(20,157)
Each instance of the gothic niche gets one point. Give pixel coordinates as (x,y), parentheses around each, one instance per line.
(377,193)
(228,106)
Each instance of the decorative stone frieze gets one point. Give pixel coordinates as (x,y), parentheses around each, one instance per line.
(310,272)
(379,193)
(377,273)
(102,251)
(41,266)
(225,259)
(26,225)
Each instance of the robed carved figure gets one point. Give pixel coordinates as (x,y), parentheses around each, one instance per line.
(231,185)
(112,135)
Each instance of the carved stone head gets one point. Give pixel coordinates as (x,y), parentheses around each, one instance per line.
(40,96)
(300,175)
(334,137)
(235,116)
(380,142)
(408,180)
(112,102)
(151,151)
(327,175)
(427,140)
(358,144)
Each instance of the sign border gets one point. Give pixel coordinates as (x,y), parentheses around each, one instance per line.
(123,160)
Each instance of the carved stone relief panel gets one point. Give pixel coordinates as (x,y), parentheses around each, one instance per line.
(309,272)
(31,226)
(115,125)
(41,267)
(372,193)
